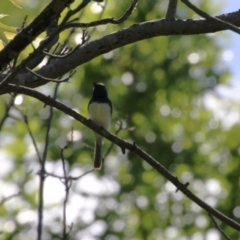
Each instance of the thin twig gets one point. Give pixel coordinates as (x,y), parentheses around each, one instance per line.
(85,38)
(171,11)
(218,227)
(25,118)
(106,20)
(82,175)
(60,56)
(100,15)
(67,183)
(69,177)
(213,19)
(23,23)
(5,199)
(51,79)
(120,127)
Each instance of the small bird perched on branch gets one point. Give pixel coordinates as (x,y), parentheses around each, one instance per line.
(100,112)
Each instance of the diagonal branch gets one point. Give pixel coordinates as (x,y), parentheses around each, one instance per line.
(105,20)
(218,227)
(5,199)
(125,145)
(203,14)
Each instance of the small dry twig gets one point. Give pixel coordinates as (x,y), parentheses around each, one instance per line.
(51,79)
(106,20)
(218,227)
(213,19)
(5,199)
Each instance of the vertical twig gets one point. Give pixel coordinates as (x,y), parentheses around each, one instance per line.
(67,181)
(171,11)
(42,171)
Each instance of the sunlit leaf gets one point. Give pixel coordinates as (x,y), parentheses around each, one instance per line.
(3,15)
(16,3)
(6,33)
(6,28)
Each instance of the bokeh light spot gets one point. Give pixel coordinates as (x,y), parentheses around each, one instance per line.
(18,100)
(193,58)
(127,78)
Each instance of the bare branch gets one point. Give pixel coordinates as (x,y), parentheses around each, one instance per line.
(203,14)
(5,199)
(218,227)
(112,144)
(68,51)
(126,145)
(106,20)
(67,183)
(50,79)
(60,56)
(99,17)
(25,119)
(120,127)
(172,7)
(82,175)
(69,177)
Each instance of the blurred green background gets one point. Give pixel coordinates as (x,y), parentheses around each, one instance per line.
(163,91)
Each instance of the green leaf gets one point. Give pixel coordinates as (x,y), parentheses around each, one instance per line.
(6,33)
(15,2)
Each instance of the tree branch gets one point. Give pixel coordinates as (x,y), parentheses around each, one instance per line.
(106,20)
(171,12)
(122,38)
(29,33)
(218,227)
(5,199)
(203,14)
(125,145)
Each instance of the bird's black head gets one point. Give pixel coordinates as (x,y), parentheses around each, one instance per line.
(99,90)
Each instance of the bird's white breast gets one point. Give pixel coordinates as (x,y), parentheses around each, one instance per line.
(100,113)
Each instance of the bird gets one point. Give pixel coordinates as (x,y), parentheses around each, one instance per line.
(100,112)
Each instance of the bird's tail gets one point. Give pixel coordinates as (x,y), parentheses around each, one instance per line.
(98,155)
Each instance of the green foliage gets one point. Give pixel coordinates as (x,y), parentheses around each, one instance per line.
(157,87)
